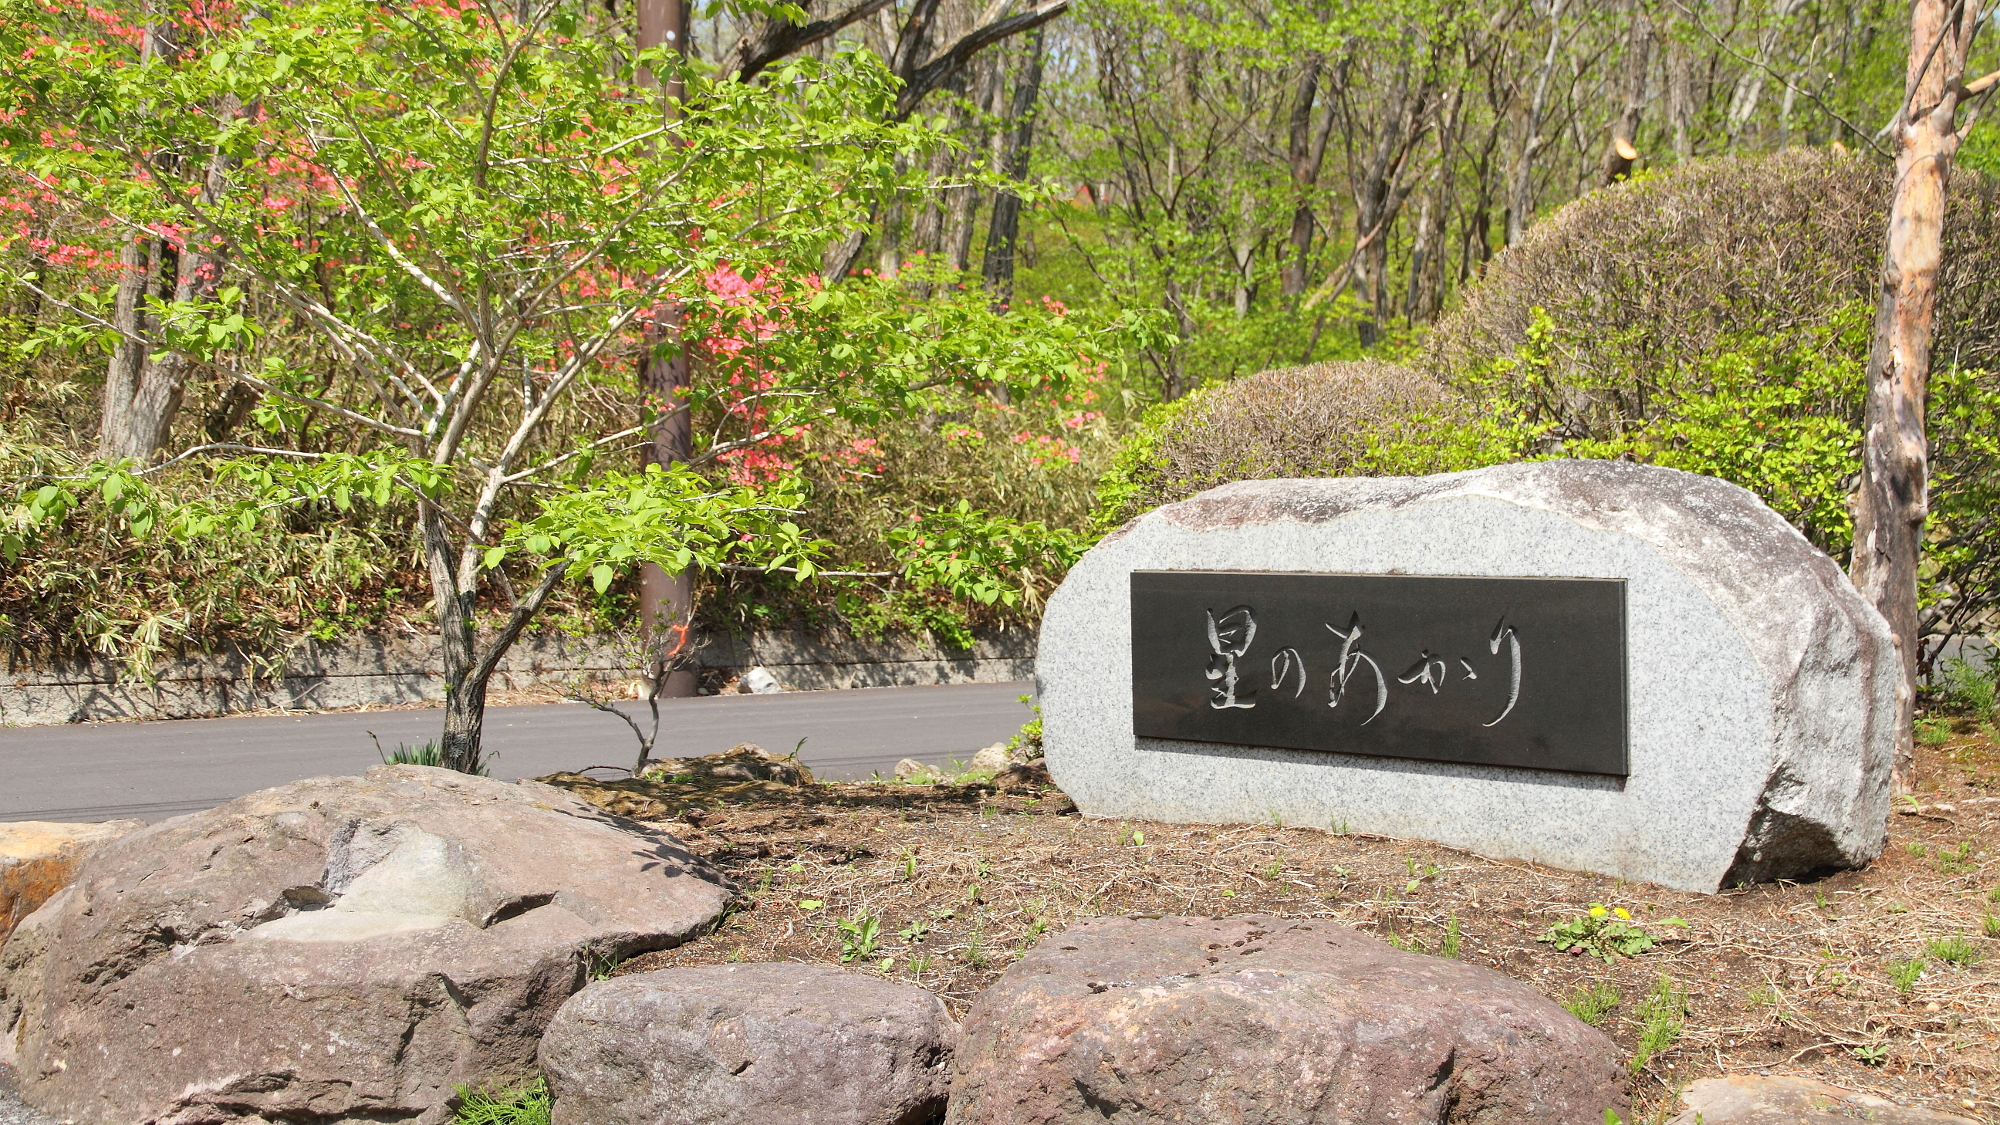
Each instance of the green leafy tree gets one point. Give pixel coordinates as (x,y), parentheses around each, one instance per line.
(472,213)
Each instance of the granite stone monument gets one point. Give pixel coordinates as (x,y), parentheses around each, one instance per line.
(1596,665)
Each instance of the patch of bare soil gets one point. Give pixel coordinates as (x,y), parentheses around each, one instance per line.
(1885,979)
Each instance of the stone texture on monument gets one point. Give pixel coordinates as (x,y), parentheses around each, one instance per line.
(1266,1021)
(38,857)
(337,948)
(772,1042)
(1761,684)
(1751,1099)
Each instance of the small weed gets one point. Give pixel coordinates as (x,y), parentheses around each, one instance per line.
(1277,818)
(810,904)
(859,936)
(1933,732)
(529,1105)
(1449,946)
(1130,837)
(1967,687)
(428,754)
(1905,973)
(600,966)
(1821,900)
(1036,929)
(1993,895)
(1918,850)
(1990,925)
(1766,997)
(1661,1014)
(975,943)
(1604,932)
(1956,861)
(914,932)
(1953,950)
(1337,826)
(1276,869)
(1591,1003)
(764,884)
(1870,1054)
(918,965)
(1227,893)
(909,868)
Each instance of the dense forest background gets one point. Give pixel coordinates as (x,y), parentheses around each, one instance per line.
(1195,193)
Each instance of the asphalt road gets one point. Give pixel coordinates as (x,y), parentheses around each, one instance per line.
(157,769)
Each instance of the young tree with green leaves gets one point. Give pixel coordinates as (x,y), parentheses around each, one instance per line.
(471,212)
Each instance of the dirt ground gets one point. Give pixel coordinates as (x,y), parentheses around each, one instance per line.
(1885,979)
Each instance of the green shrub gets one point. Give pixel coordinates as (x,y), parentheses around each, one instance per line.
(1716,318)
(526,1105)
(1363,418)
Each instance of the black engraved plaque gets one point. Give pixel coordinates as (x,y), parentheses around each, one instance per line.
(1526,672)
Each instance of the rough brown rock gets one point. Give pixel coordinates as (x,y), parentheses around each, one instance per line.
(335,949)
(38,857)
(1751,1099)
(752,1042)
(1264,1021)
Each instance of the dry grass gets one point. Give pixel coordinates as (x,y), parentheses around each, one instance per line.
(1790,978)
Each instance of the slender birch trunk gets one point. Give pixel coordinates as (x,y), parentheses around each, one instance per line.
(1892,502)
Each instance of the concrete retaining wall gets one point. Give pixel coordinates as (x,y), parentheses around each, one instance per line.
(379,671)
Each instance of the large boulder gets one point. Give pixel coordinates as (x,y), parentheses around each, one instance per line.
(38,857)
(1753,1099)
(750,1042)
(1758,701)
(1263,1021)
(341,948)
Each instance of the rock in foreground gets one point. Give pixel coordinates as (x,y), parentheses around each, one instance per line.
(1265,1021)
(338,948)
(38,857)
(1751,1099)
(752,1042)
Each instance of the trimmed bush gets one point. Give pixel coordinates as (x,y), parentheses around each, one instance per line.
(1363,418)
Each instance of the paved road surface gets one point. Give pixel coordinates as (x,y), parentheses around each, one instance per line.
(154,770)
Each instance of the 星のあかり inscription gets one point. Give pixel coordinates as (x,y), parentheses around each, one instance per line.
(1523,672)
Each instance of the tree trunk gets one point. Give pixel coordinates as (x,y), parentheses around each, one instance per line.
(139,398)
(666,601)
(1891,504)
(1006,227)
(464,699)
(1306,154)
(1522,205)
(1623,151)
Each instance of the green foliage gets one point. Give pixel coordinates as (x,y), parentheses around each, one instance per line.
(527,1105)
(1591,1003)
(1967,687)
(1604,932)
(1778,416)
(1026,744)
(1953,950)
(1904,972)
(859,936)
(428,754)
(1661,1016)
